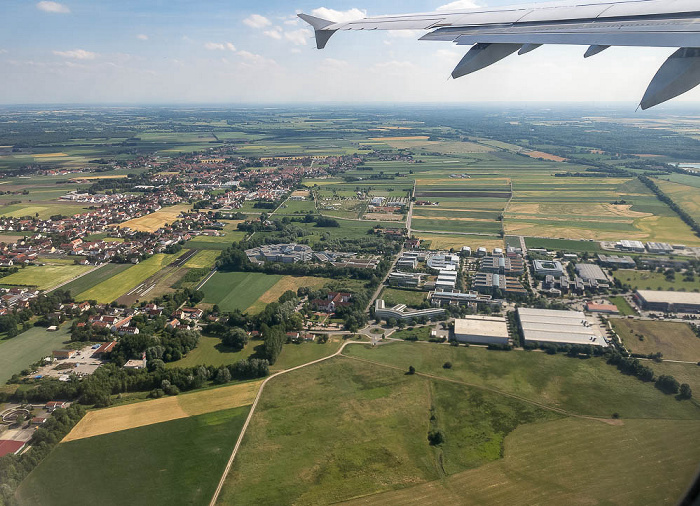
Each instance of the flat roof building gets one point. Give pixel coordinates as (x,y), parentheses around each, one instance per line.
(510,266)
(454,297)
(668,302)
(548,268)
(482,330)
(590,272)
(402,312)
(543,326)
(625,262)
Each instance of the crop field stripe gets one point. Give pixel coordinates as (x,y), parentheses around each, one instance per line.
(130,416)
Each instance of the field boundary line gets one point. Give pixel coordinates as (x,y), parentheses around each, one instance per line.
(76,278)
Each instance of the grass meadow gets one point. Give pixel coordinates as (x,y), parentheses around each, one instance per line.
(175,462)
(93,279)
(675,340)
(45,277)
(237,290)
(648,280)
(28,347)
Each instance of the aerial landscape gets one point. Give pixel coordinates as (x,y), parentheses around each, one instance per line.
(224,301)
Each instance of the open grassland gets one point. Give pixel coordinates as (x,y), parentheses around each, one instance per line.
(28,347)
(294,355)
(45,277)
(623,306)
(44,209)
(684,373)
(563,245)
(639,462)
(394,296)
(285,284)
(675,340)
(446,241)
(131,416)
(175,462)
(203,260)
(585,387)
(114,287)
(343,429)
(210,351)
(237,290)
(648,280)
(85,283)
(154,221)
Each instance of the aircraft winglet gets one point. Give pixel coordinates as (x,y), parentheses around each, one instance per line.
(319,25)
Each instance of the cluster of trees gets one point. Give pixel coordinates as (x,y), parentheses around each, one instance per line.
(169,346)
(14,468)
(689,220)
(273,338)
(44,304)
(631,366)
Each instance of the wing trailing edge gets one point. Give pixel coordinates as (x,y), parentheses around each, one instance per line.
(496,33)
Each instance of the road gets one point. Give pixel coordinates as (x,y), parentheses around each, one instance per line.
(381,285)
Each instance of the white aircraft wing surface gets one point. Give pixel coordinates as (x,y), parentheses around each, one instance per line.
(495,33)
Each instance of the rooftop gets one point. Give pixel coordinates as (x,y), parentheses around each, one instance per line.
(670,297)
(482,325)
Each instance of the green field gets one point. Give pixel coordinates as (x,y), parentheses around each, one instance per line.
(237,290)
(45,277)
(563,245)
(675,340)
(36,343)
(210,351)
(586,387)
(393,296)
(623,306)
(639,462)
(176,462)
(647,280)
(116,286)
(344,429)
(203,259)
(420,334)
(297,354)
(93,279)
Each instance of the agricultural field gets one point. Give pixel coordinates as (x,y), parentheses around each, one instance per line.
(676,341)
(237,290)
(456,242)
(331,407)
(648,280)
(45,277)
(116,286)
(203,260)
(285,284)
(619,470)
(686,196)
(28,347)
(584,387)
(130,416)
(154,221)
(563,245)
(394,296)
(94,278)
(179,462)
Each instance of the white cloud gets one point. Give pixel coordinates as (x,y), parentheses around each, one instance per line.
(458,5)
(332,63)
(142,36)
(255,60)
(339,16)
(3,51)
(257,21)
(298,37)
(77,54)
(275,33)
(219,46)
(292,21)
(53,7)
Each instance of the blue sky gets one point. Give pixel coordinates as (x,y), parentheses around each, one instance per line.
(213,51)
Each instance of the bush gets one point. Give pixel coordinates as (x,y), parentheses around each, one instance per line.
(411,370)
(436,437)
(447,365)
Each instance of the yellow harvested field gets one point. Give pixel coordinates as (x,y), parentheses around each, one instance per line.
(152,222)
(286,283)
(574,210)
(50,155)
(446,242)
(131,416)
(94,178)
(443,147)
(544,156)
(414,138)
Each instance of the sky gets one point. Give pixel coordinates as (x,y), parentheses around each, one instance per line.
(244,51)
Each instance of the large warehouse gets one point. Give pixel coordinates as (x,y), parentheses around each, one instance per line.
(668,302)
(542,326)
(482,330)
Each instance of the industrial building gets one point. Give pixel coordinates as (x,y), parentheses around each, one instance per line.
(668,302)
(625,262)
(508,266)
(635,246)
(591,272)
(482,330)
(402,312)
(659,248)
(439,298)
(546,326)
(485,282)
(548,268)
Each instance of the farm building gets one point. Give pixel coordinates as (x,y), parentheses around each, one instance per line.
(482,330)
(668,302)
(543,326)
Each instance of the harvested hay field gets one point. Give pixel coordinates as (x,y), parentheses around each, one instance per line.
(131,416)
(544,156)
(154,221)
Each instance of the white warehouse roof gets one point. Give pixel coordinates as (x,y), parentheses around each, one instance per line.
(559,327)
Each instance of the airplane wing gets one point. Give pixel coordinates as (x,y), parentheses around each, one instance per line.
(495,33)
